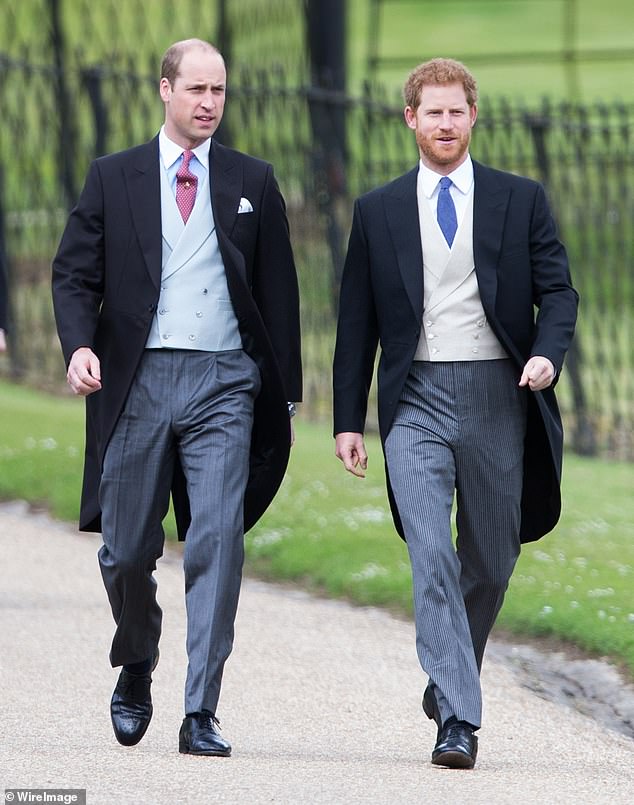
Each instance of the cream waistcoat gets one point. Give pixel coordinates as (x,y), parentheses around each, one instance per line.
(454,326)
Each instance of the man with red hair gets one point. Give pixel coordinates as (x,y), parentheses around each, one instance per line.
(446,267)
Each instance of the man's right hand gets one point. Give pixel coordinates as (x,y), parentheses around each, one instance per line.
(350,449)
(84,372)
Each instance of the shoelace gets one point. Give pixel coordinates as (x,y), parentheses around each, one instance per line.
(454,729)
(208,721)
(134,685)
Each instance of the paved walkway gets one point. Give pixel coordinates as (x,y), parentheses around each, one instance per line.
(321,702)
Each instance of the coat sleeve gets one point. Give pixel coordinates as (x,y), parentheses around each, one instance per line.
(553,295)
(78,269)
(357,334)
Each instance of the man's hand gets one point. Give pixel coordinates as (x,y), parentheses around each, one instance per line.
(350,449)
(84,372)
(538,373)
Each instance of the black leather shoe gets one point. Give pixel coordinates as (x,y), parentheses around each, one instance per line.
(430,708)
(199,736)
(131,706)
(456,747)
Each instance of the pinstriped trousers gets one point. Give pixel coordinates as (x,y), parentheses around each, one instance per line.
(458,433)
(199,406)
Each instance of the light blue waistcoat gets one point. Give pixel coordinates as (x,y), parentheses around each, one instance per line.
(194,309)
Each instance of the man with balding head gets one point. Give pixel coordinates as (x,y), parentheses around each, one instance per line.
(176,303)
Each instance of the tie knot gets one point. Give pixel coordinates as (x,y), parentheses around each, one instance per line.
(187,155)
(445,183)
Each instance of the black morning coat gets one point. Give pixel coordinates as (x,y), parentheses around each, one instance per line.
(106,283)
(526,293)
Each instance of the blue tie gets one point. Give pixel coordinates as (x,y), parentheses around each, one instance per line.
(446,212)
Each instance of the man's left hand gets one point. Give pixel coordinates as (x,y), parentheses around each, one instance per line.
(538,373)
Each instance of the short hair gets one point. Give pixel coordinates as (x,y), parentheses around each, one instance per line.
(439,71)
(174,54)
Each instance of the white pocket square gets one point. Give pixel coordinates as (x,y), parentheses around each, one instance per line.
(244,205)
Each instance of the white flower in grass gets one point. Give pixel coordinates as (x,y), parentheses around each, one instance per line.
(542,556)
(574,604)
(268,538)
(630,617)
(601,592)
(546,610)
(369,571)
(321,488)
(48,444)
(371,515)
(30,443)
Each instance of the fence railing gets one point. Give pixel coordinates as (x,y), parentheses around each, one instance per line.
(327,148)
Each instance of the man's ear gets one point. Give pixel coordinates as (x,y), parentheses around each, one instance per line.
(410,117)
(165,90)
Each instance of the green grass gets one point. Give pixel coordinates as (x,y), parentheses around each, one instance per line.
(332,533)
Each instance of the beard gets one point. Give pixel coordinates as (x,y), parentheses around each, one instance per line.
(442,154)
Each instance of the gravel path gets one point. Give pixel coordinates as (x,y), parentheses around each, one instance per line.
(321,701)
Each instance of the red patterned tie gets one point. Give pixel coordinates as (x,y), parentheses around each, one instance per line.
(186,184)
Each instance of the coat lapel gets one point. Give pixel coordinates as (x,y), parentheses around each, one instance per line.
(490,203)
(226,186)
(401,211)
(143,181)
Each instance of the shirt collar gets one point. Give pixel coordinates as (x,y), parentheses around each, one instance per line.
(171,151)
(462,177)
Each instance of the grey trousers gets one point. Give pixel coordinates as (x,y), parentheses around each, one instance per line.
(458,431)
(197,406)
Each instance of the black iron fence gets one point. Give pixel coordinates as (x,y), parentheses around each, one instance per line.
(327,148)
